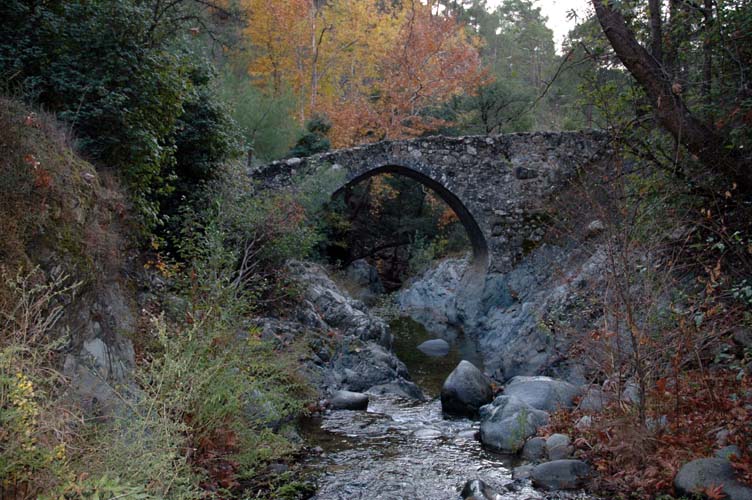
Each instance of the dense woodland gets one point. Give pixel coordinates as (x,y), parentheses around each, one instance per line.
(171,101)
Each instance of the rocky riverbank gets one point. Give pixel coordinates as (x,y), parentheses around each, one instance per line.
(513,316)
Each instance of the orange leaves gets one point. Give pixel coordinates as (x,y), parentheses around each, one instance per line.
(372,69)
(42,178)
(714,492)
(642,462)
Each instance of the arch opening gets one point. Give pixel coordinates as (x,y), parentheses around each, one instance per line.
(472,230)
(474,233)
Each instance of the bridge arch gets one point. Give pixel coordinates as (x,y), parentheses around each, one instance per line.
(499,186)
(473,230)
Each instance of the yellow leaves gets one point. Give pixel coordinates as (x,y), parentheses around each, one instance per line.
(373,70)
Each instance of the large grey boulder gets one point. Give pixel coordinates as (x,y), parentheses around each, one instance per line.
(543,393)
(465,390)
(707,472)
(347,400)
(561,475)
(367,366)
(508,422)
(434,348)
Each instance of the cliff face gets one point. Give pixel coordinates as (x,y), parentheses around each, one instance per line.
(70,224)
(509,314)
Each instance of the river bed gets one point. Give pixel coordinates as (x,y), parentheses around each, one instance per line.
(403,449)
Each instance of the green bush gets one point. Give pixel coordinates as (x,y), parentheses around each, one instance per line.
(126,87)
(315,139)
(249,233)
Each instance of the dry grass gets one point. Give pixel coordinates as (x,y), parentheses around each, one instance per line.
(50,199)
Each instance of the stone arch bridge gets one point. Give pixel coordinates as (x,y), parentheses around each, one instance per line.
(498,185)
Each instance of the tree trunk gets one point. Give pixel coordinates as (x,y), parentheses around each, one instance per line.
(656,30)
(707,52)
(699,138)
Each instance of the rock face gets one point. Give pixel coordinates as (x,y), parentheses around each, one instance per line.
(495,184)
(507,422)
(434,347)
(347,400)
(560,475)
(707,472)
(465,390)
(366,278)
(336,308)
(505,316)
(478,490)
(543,393)
(361,360)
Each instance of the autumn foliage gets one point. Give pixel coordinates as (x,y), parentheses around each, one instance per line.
(373,69)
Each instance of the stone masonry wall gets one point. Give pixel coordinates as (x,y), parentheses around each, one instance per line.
(498,185)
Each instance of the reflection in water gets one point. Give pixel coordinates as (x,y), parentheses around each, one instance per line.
(401,449)
(430,372)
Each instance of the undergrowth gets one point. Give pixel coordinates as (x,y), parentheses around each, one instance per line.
(684,423)
(211,402)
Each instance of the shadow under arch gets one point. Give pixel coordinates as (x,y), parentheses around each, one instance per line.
(474,233)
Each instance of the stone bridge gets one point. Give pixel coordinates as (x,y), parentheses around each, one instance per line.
(498,185)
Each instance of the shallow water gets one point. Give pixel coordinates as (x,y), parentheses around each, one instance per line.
(403,449)
(426,371)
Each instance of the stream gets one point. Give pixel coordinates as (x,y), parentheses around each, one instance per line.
(404,449)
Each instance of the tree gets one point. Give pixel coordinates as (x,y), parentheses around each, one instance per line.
(372,67)
(134,88)
(672,89)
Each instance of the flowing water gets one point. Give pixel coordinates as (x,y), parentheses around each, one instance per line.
(401,449)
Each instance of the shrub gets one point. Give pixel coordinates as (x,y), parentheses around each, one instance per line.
(129,89)
(249,233)
(315,139)
(34,420)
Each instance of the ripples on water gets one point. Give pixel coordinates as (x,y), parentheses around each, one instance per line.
(401,449)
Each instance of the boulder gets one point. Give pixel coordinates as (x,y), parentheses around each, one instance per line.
(584,423)
(434,348)
(508,422)
(465,390)
(558,446)
(594,399)
(534,449)
(522,472)
(478,490)
(542,393)
(727,451)
(369,367)
(709,472)
(560,475)
(347,400)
